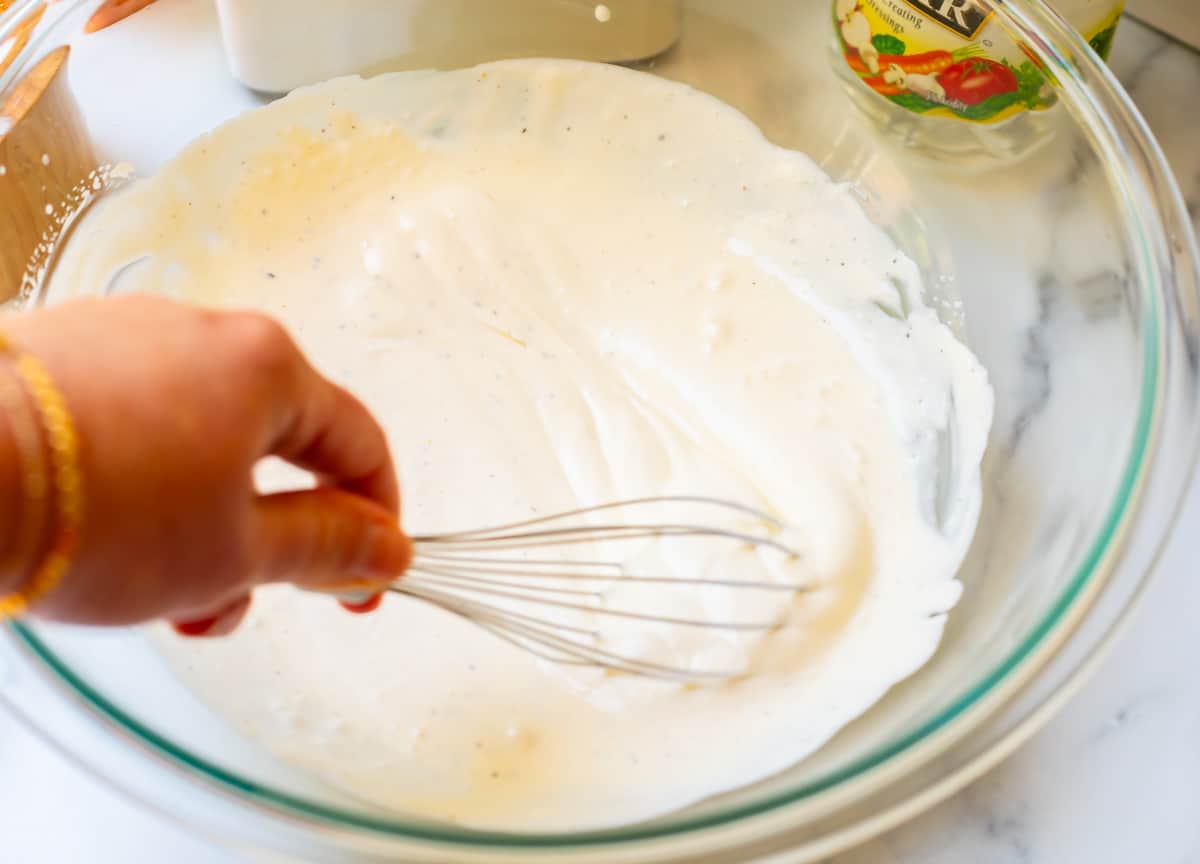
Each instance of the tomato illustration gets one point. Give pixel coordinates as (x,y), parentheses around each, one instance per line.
(972,80)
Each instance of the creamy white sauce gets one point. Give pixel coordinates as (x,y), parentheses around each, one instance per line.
(559,284)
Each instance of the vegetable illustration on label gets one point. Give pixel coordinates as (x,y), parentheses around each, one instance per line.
(947,58)
(972,81)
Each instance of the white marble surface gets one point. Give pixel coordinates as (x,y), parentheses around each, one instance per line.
(1115,778)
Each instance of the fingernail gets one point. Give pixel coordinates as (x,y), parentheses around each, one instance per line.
(195,628)
(229,620)
(388,551)
(221,624)
(368,605)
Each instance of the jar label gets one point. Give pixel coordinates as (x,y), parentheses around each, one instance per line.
(949,58)
(964,17)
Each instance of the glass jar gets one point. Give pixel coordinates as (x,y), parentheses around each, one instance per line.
(950,77)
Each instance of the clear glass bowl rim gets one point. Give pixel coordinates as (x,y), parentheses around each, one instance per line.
(1070,63)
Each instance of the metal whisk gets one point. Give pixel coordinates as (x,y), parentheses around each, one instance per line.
(507,580)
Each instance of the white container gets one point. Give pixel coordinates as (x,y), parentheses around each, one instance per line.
(277,45)
(949,78)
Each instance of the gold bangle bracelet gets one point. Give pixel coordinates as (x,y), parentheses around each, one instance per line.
(62,442)
(29,522)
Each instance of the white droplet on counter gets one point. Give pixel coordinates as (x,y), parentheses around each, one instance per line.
(717,283)
(603,13)
(372,262)
(3,170)
(712,335)
(45,158)
(49,208)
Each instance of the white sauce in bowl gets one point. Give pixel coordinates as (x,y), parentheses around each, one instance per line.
(558,284)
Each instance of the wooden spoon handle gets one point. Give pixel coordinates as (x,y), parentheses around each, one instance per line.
(45,154)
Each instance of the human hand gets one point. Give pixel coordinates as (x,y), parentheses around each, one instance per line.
(174,406)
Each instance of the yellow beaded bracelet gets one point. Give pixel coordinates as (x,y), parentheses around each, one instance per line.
(33,513)
(62,442)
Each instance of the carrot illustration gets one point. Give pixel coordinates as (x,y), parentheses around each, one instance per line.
(113,11)
(929,63)
(884,88)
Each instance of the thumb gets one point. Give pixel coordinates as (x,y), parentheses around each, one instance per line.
(329,540)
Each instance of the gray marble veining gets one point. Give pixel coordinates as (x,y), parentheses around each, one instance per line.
(1115,779)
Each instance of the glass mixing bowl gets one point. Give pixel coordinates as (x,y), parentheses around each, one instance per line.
(1072,274)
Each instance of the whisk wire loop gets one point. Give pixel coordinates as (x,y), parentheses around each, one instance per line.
(551,607)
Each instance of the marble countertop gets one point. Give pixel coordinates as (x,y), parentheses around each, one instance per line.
(1114,778)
